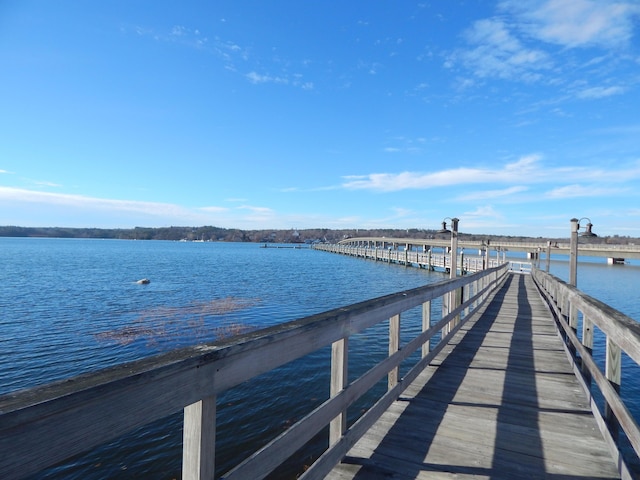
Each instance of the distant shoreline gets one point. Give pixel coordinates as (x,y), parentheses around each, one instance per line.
(264,236)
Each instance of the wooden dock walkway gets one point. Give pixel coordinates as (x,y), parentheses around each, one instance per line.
(501,401)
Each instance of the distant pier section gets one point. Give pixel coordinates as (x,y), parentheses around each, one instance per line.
(615,254)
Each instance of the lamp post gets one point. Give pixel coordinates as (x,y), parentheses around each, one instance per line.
(485,253)
(450,300)
(573,247)
(454,243)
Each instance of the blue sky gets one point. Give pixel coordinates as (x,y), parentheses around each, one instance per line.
(514,115)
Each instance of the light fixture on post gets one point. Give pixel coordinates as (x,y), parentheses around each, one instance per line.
(454,243)
(485,253)
(573,246)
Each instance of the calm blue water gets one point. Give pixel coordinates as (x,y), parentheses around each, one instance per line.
(71,306)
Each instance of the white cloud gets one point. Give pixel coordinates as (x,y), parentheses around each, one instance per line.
(260,210)
(493,194)
(577,23)
(600,92)
(524,169)
(256,78)
(295,80)
(87,203)
(485,211)
(495,52)
(214,209)
(46,184)
(122,213)
(576,191)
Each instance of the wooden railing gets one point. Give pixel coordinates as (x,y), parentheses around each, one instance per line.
(429,260)
(577,314)
(45,425)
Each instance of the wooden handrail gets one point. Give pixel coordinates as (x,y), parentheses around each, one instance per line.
(428,259)
(45,425)
(574,309)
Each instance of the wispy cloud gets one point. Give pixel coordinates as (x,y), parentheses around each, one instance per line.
(527,170)
(87,203)
(235,57)
(254,77)
(214,209)
(295,80)
(259,210)
(531,40)
(131,212)
(493,194)
(576,23)
(590,191)
(495,52)
(600,92)
(47,184)
(483,212)
(523,169)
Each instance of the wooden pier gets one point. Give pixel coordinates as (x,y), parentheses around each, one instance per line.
(501,383)
(499,402)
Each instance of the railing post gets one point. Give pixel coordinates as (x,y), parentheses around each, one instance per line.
(573,324)
(199,440)
(466,295)
(587,342)
(446,299)
(426,324)
(613,368)
(339,378)
(394,346)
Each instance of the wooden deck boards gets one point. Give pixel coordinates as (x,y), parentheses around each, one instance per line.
(500,402)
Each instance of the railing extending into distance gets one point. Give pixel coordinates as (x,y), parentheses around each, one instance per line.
(597,250)
(427,259)
(45,425)
(576,315)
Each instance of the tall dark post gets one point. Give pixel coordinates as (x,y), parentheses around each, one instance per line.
(573,253)
(454,248)
(548,257)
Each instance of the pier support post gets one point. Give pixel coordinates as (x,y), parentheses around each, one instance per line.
(199,440)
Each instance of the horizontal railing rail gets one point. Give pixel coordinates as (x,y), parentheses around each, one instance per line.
(45,425)
(429,260)
(521,267)
(577,314)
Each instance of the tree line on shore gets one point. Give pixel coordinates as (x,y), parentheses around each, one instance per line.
(210,233)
